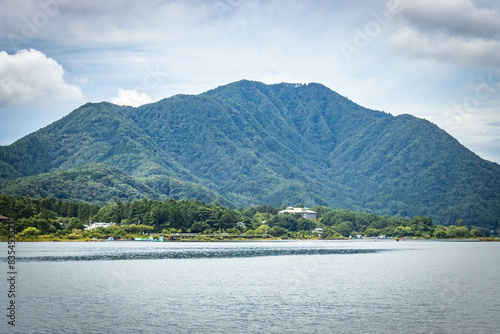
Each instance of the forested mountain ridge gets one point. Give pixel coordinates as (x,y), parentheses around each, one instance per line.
(249,143)
(98,183)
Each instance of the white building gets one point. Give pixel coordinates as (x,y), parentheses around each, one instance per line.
(93,226)
(304,212)
(318,230)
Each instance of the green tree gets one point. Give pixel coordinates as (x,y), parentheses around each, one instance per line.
(305,225)
(475,233)
(262,229)
(440,234)
(199,227)
(330,233)
(43,225)
(278,231)
(402,231)
(118,213)
(450,230)
(29,232)
(75,223)
(372,232)
(47,214)
(457,232)
(343,228)
(144,229)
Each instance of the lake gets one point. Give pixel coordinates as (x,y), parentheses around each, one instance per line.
(358,286)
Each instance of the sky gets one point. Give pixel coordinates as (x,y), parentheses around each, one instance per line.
(437,60)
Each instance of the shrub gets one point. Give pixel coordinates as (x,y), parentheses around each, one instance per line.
(475,233)
(29,232)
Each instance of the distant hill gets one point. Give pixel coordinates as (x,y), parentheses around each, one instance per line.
(248,143)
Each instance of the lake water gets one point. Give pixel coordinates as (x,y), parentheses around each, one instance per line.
(255,287)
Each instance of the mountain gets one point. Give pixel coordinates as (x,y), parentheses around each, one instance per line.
(248,143)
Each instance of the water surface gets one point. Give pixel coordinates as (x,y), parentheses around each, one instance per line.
(256,287)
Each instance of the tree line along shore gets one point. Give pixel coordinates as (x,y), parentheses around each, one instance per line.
(49,219)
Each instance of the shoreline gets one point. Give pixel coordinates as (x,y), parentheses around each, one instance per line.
(255,239)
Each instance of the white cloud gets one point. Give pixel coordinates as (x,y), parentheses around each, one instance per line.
(447,48)
(29,77)
(449,30)
(132,98)
(458,17)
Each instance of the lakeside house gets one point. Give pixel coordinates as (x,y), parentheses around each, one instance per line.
(95,225)
(318,231)
(304,212)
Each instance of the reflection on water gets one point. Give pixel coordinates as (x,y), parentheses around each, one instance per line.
(196,253)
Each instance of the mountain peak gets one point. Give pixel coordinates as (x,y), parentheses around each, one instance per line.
(248,143)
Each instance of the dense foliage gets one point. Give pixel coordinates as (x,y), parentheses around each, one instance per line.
(35,217)
(98,183)
(248,143)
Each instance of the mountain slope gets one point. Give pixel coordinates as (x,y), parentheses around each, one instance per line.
(94,133)
(250,143)
(101,183)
